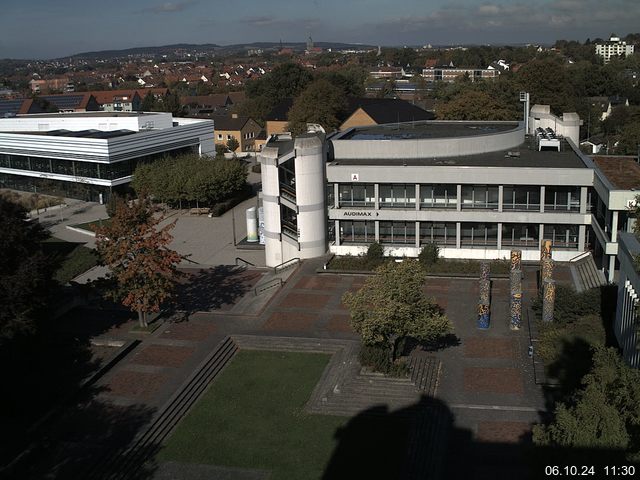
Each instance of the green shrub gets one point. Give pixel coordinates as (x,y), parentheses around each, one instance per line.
(429,254)
(378,359)
(375,255)
(571,305)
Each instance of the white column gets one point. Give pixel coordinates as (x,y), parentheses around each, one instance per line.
(500,234)
(458,230)
(459,204)
(614,226)
(542,199)
(417,196)
(376,194)
(417,234)
(582,237)
(500,197)
(612,267)
(337,232)
(583,199)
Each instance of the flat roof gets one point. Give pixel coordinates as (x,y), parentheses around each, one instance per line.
(80,133)
(528,157)
(622,172)
(89,114)
(428,129)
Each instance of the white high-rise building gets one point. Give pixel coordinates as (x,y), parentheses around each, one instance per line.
(613,48)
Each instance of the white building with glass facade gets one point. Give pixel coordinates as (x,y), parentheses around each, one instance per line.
(88,155)
(477,189)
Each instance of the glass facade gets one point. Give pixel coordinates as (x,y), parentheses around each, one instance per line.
(562,236)
(357,232)
(480,197)
(440,233)
(521,198)
(397,195)
(398,232)
(356,195)
(479,235)
(520,235)
(562,199)
(78,168)
(438,196)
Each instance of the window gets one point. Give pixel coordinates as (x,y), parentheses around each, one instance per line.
(219,136)
(480,197)
(289,222)
(440,233)
(520,235)
(399,195)
(479,234)
(229,137)
(357,232)
(398,232)
(562,236)
(521,198)
(562,199)
(356,195)
(438,196)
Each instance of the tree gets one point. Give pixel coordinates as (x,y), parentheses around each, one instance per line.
(25,272)
(474,105)
(137,254)
(233,144)
(429,254)
(149,103)
(392,306)
(605,413)
(321,102)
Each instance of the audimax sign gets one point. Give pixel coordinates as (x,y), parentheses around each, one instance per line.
(359,213)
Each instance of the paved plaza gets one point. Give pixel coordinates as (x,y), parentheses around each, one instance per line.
(483,381)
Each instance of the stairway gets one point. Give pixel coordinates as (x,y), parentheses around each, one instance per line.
(585,274)
(125,465)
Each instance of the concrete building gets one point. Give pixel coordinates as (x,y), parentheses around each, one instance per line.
(450,74)
(613,48)
(626,322)
(88,155)
(477,189)
(243,129)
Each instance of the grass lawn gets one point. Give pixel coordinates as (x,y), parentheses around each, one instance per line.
(92,226)
(253,416)
(71,259)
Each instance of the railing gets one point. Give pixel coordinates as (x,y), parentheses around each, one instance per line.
(579,257)
(286,265)
(244,262)
(275,283)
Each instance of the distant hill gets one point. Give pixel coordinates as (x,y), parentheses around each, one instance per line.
(209,48)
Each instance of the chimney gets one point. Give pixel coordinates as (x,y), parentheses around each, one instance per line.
(234,115)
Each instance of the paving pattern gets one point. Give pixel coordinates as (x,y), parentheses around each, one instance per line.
(473,397)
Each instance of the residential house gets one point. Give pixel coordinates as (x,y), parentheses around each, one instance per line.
(378,111)
(243,129)
(118,100)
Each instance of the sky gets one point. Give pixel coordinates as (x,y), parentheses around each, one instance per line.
(56,28)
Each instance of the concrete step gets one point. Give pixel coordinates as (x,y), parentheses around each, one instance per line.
(147,442)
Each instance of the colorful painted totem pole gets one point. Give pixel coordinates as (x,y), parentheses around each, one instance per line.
(484,312)
(548,300)
(515,297)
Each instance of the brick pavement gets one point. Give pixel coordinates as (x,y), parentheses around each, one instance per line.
(486,380)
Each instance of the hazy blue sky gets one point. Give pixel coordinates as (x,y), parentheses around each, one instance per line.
(54,28)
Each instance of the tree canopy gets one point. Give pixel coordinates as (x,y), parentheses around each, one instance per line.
(136,251)
(190,178)
(392,306)
(605,413)
(25,272)
(321,102)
